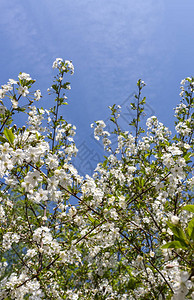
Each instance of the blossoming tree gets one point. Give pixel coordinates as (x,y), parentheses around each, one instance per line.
(131,233)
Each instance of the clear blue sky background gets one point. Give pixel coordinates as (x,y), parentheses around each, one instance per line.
(112,44)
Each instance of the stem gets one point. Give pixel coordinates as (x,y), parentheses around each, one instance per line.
(139,251)
(144,191)
(69,192)
(161,275)
(5,121)
(21,259)
(9,115)
(84,236)
(55,117)
(137,117)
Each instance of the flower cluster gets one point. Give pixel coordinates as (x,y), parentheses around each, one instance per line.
(126,232)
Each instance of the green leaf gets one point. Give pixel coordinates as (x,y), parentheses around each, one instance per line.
(112,119)
(187,156)
(133,106)
(189,207)
(55,87)
(9,135)
(2,139)
(175,245)
(91,219)
(178,232)
(190,229)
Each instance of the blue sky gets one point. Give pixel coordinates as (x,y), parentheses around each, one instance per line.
(111,43)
